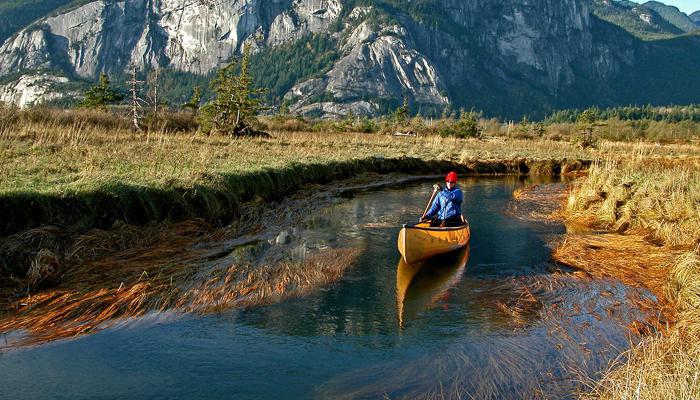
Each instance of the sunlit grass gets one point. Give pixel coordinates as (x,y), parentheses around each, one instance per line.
(658,199)
(55,159)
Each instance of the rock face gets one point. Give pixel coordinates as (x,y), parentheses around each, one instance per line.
(503,56)
(673,15)
(31,90)
(186,35)
(695,17)
(382,63)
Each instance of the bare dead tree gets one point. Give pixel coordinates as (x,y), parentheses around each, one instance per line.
(153,96)
(135,101)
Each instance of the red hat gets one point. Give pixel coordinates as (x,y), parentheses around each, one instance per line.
(451,177)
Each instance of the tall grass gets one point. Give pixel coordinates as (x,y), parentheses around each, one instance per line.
(642,195)
(658,199)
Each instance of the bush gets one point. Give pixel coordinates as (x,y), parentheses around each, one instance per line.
(366,125)
(287,124)
(466,127)
(71,117)
(168,121)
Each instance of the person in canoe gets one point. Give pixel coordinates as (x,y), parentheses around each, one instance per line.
(446,209)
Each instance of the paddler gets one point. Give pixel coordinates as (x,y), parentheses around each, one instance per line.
(446,209)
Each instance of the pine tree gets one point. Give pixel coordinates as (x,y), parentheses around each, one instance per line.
(236,101)
(401,113)
(101,94)
(195,101)
(586,123)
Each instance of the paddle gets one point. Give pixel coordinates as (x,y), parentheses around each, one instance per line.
(436,188)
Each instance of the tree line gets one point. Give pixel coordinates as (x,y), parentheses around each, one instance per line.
(632,113)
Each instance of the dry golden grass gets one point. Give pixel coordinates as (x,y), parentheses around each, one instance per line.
(649,199)
(656,197)
(246,286)
(538,202)
(684,287)
(161,277)
(657,368)
(51,158)
(664,366)
(629,259)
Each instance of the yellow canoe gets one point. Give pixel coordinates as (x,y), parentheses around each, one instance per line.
(420,242)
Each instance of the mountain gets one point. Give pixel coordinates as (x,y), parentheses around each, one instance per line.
(639,20)
(695,17)
(673,15)
(333,57)
(16,14)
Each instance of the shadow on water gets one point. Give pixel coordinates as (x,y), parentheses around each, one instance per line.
(420,286)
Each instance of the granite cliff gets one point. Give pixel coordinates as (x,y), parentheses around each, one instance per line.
(507,57)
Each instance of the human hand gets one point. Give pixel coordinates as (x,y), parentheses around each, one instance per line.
(437,187)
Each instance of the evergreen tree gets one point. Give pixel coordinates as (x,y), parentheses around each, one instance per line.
(195,100)
(524,126)
(468,125)
(586,123)
(401,113)
(236,103)
(101,94)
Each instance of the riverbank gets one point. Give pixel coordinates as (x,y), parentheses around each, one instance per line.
(82,177)
(651,209)
(89,177)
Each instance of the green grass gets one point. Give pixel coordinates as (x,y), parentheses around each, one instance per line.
(83,169)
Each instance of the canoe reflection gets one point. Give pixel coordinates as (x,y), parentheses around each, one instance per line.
(420,286)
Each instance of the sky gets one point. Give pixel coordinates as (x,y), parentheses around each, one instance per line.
(687,6)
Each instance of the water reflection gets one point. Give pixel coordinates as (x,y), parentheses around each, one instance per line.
(494,322)
(420,286)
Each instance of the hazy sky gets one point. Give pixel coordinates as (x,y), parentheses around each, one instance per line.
(687,6)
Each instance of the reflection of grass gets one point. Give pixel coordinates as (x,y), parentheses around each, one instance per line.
(658,200)
(161,272)
(546,331)
(630,259)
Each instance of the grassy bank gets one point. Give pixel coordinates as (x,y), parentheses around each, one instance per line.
(86,176)
(658,202)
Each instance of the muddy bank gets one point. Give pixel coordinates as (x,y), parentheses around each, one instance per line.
(221,202)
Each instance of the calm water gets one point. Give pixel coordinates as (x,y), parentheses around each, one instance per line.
(503,325)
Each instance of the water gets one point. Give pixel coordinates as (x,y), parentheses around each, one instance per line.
(495,321)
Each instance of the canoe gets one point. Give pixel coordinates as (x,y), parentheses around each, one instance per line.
(420,242)
(419,287)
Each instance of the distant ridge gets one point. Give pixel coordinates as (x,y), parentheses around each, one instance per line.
(695,17)
(673,15)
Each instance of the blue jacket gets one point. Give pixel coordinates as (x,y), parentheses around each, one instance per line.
(447,204)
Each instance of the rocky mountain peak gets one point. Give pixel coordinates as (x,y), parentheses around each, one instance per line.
(507,57)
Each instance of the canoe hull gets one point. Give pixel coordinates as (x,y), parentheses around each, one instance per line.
(420,242)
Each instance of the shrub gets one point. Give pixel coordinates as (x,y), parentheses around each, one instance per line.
(466,127)
(168,121)
(366,125)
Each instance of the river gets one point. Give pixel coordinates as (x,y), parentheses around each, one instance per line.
(497,320)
